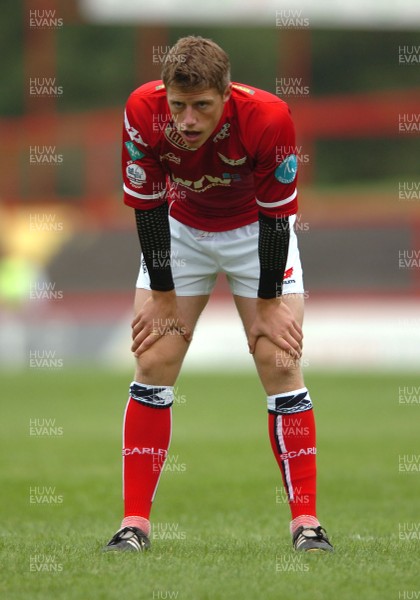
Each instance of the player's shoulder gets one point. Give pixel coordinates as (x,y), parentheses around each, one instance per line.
(146,112)
(151,89)
(152,93)
(252,100)
(250,94)
(261,117)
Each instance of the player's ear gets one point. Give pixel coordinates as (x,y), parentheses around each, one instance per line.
(227,93)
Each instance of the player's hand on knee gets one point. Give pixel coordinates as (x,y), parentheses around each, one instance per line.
(275,320)
(158,316)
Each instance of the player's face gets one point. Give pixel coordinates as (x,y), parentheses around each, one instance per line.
(196,113)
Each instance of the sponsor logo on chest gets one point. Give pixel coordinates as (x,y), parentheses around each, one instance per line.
(207,181)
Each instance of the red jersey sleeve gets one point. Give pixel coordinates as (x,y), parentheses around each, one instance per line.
(275,172)
(144,179)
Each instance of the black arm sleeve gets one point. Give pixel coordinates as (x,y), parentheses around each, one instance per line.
(273,246)
(155,242)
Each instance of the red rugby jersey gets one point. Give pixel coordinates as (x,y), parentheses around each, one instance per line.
(248,163)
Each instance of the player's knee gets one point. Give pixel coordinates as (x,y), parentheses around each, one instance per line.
(275,360)
(149,363)
(285,364)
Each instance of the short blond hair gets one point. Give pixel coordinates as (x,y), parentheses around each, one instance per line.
(196,63)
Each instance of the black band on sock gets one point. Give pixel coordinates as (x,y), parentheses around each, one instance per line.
(291,404)
(152,397)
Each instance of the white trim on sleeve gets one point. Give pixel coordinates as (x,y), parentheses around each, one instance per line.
(279,203)
(143,196)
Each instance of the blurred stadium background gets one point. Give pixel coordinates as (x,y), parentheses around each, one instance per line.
(68,247)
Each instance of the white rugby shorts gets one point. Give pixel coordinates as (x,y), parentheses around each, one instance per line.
(198,256)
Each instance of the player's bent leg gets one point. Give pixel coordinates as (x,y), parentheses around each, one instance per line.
(161,363)
(277,370)
(291,426)
(147,426)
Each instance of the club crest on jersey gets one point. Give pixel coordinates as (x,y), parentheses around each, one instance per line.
(223,133)
(136,175)
(286,171)
(175,138)
(232,161)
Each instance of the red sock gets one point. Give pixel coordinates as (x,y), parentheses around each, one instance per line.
(291,426)
(147,435)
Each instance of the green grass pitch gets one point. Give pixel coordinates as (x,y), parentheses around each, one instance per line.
(221,521)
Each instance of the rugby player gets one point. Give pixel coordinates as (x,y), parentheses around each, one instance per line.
(210,170)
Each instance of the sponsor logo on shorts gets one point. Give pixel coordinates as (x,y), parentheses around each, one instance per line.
(286,171)
(136,175)
(287,279)
(143,265)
